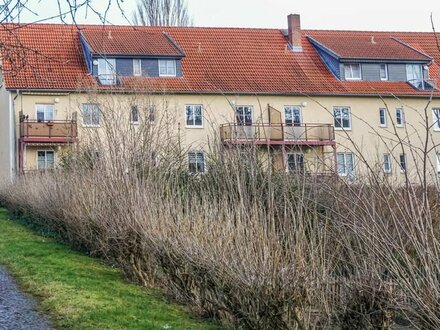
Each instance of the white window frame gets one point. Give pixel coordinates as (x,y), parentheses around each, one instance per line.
(346,173)
(402,117)
(387,159)
(167,66)
(137,62)
(243,108)
(436,119)
(341,128)
(385,78)
(107,69)
(197,152)
(193,107)
(292,108)
(45,112)
(403,169)
(384,112)
(99,115)
(45,159)
(295,154)
(135,122)
(350,66)
(437,156)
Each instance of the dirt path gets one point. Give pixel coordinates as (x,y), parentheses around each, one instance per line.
(17,310)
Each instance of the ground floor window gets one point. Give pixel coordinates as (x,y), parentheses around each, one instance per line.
(295,162)
(402,162)
(345,162)
(45,159)
(196,162)
(387,163)
(438,164)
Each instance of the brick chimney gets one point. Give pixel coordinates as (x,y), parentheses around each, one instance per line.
(294,31)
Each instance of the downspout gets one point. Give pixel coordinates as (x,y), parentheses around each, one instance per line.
(13,136)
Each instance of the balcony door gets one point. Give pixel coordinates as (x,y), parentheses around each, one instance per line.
(414,75)
(107,71)
(45,112)
(292,117)
(243,118)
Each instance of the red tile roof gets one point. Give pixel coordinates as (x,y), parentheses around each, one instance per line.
(218,60)
(133,42)
(369,47)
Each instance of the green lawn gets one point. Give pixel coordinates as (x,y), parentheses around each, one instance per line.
(80,292)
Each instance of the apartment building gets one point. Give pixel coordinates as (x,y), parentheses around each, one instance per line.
(314,101)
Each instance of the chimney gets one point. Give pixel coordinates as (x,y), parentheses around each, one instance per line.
(294,30)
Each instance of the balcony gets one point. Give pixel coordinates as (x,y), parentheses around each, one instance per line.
(54,131)
(278,134)
(423,84)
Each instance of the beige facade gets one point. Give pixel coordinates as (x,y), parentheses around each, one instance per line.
(364,137)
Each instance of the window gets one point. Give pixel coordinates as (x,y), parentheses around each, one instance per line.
(399,117)
(134,114)
(45,159)
(137,67)
(438,164)
(167,68)
(196,162)
(45,112)
(243,115)
(295,162)
(414,73)
(151,112)
(342,117)
(345,163)
(383,117)
(387,163)
(292,115)
(194,116)
(436,118)
(352,71)
(383,72)
(107,71)
(402,162)
(91,115)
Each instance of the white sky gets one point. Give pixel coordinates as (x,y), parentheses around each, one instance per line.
(391,15)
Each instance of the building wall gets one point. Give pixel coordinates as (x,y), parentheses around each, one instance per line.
(7,150)
(365,137)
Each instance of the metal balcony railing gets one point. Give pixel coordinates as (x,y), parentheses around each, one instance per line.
(57,129)
(423,84)
(300,133)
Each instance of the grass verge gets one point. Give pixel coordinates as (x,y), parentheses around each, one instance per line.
(79,292)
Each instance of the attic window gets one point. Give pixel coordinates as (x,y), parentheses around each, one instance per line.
(137,67)
(383,72)
(352,71)
(167,68)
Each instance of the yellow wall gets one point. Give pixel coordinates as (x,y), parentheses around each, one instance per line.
(366,138)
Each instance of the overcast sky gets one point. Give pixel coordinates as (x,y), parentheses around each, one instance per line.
(388,15)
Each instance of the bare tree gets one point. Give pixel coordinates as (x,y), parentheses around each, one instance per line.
(162,13)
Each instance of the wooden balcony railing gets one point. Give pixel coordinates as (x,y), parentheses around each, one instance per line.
(318,134)
(47,131)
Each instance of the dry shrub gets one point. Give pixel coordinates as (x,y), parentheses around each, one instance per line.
(242,244)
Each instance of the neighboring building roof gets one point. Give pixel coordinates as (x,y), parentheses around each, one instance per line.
(217,60)
(133,42)
(372,47)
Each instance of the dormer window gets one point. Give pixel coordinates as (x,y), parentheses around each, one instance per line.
(383,72)
(137,67)
(167,68)
(352,71)
(107,71)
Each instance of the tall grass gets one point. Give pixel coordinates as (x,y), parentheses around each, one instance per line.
(251,247)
